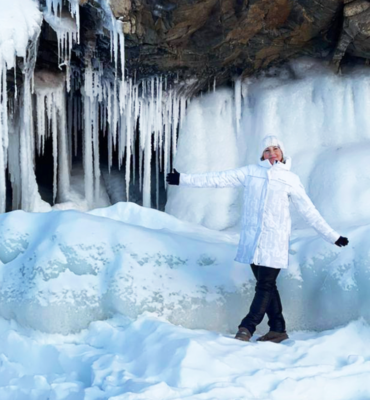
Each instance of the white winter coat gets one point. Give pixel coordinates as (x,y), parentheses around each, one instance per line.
(266,224)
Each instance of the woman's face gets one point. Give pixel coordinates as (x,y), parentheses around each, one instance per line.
(273,153)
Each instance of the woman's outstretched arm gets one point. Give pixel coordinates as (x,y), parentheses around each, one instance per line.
(223,179)
(310,214)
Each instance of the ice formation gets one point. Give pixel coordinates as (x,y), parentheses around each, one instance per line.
(52,121)
(125,111)
(21,22)
(60,271)
(322,118)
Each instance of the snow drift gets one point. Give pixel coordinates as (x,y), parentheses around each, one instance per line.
(62,270)
(151,359)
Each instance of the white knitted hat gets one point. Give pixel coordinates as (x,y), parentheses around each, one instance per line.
(268,141)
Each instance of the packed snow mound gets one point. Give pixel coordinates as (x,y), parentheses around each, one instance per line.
(133,214)
(62,270)
(150,358)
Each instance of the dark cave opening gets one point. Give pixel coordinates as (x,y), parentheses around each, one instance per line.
(114,181)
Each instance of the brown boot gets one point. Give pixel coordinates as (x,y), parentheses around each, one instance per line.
(275,337)
(243,334)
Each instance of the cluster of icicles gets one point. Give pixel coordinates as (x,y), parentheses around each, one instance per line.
(49,110)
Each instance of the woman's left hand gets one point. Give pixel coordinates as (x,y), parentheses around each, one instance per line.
(342,241)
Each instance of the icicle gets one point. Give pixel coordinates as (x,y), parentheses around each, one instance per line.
(66,29)
(14,161)
(214,85)
(136,104)
(141,141)
(115,114)
(110,150)
(88,154)
(154,109)
(63,154)
(93,93)
(74,9)
(160,111)
(167,133)
(122,50)
(121,142)
(182,110)
(104,117)
(15,79)
(175,122)
(122,53)
(95,138)
(68,76)
(29,190)
(40,114)
(55,150)
(140,168)
(54,6)
(128,139)
(238,106)
(115,39)
(157,179)
(3,134)
(50,91)
(70,129)
(134,158)
(49,106)
(5,128)
(147,168)
(109,107)
(75,123)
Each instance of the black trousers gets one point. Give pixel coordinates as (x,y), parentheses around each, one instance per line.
(266,301)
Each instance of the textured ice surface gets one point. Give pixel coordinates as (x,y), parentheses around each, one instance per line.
(62,270)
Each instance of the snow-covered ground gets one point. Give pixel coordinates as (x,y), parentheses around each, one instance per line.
(113,304)
(149,358)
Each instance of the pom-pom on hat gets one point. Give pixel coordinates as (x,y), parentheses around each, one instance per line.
(268,141)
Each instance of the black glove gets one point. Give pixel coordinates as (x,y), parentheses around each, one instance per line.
(173,178)
(342,241)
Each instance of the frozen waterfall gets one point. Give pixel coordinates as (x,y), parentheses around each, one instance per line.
(138,120)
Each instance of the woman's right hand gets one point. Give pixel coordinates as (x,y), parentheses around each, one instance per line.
(173,178)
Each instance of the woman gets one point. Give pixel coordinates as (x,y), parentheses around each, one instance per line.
(264,238)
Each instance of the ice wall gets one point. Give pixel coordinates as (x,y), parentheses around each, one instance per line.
(323,120)
(208,142)
(59,271)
